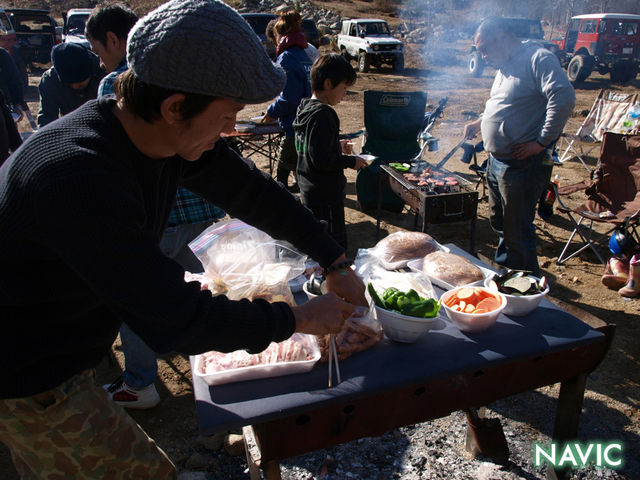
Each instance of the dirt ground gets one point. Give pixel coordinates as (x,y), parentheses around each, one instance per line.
(613,393)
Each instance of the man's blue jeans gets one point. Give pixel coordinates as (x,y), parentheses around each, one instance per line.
(514,189)
(141,366)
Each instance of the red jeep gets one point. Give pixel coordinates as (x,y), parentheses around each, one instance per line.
(606,42)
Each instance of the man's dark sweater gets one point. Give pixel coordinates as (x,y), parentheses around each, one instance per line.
(81,215)
(321,163)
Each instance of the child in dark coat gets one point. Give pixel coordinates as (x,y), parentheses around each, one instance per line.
(322,156)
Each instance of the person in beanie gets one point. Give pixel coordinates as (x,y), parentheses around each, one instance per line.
(83,205)
(107,29)
(71,81)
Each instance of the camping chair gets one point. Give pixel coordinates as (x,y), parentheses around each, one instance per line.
(613,196)
(606,114)
(393,122)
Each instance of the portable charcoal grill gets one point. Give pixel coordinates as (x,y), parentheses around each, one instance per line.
(440,197)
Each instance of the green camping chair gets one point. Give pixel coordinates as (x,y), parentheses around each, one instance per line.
(393,122)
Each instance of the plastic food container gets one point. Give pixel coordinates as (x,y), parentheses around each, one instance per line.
(520,305)
(403,328)
(473,322)
(265,370)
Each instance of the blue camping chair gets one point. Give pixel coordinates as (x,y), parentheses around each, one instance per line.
(393,122)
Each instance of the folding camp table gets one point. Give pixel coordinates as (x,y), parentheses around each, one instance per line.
(392,384)
(261,139)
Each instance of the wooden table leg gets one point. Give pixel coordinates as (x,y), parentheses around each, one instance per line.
(485,436)
(567,418)
(270,469)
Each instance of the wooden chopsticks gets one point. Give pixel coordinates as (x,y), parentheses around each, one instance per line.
(333,359)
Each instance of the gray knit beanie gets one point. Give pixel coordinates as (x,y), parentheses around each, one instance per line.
(203,47)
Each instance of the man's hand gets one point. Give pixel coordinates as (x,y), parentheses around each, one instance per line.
(360,163)
(471,129)
(323,314)
(526,150)
(267,119)
(346,284)
(346,146)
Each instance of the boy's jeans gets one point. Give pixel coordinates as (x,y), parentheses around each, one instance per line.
(514,189)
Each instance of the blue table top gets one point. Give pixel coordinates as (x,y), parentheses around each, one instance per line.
(444,351)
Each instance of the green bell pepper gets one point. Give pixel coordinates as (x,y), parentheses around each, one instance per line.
(375,297)
(424,309)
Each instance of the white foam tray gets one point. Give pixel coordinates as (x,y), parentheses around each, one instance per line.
(262,371)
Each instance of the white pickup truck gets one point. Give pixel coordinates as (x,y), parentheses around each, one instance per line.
(369,40)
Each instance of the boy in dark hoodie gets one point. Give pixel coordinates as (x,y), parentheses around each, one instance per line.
(322,156)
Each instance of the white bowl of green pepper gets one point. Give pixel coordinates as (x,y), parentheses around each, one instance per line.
(419,317)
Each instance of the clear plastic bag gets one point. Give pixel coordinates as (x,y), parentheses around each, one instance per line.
(381,278)
(241,261)
(360,331)
(396,249)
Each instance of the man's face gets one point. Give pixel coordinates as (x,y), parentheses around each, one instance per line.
(110,54)
(493,49)
(199,134)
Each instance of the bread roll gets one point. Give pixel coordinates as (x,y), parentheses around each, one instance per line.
(450,268)
(405,246)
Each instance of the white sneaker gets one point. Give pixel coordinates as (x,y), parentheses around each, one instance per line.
(129,397)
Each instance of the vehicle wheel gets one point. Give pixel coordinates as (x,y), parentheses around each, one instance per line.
(580,67)
(476,64)
(345,54)
(398,64)
(623,72)
(364,62)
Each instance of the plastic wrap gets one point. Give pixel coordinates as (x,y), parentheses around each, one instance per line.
(360,331)
(395,250)
(403,281)
(241,261)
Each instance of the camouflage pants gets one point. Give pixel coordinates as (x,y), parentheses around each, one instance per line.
(76,431)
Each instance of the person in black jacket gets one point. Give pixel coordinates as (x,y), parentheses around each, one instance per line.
(10,80)
(322,157)
(83,205)
(10,138)
(71,81)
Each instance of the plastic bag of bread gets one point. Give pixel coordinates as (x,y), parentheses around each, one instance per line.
(241,261)
(395,250)
(451,268)
(359,332)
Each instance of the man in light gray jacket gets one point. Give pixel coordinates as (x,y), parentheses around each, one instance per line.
(531,100)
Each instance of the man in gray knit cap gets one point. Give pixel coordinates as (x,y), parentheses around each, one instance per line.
(83,205)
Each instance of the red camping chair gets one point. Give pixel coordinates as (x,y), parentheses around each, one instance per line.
(613,196)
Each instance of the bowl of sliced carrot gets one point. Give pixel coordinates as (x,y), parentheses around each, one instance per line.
(473,309)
